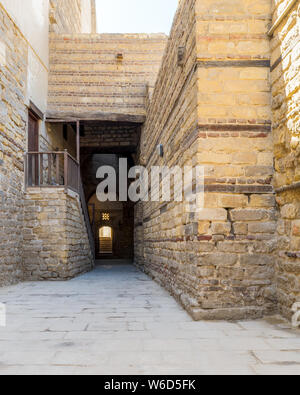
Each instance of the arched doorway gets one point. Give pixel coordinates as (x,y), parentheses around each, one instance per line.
(116,243)
(105,240)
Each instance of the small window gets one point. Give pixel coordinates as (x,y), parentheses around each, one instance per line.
(105,217)
(105,232)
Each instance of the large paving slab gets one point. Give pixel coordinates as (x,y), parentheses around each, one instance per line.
(116,320)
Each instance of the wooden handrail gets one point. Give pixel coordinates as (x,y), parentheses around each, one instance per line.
(52,153)
(51,169)
(87,218)
(37,175)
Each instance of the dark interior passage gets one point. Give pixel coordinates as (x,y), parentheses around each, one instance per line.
(103,144)
(112,223)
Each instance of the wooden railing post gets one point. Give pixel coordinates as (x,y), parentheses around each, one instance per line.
(26,170)
(41,159)
(57,169)
(72,179)
(78,152)
(87,218)
(49,169)
(69,171)
(66,169)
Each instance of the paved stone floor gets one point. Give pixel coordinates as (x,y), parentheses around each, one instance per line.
(116,320)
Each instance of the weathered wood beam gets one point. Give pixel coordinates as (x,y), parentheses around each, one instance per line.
(129,149)
(58,116)
(35,110)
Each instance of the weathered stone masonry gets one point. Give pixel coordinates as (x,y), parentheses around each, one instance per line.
(222,92)
(215,111)
(56,245)
(87,78)
(285,70)
(13,119)
(71,16)
(27,246)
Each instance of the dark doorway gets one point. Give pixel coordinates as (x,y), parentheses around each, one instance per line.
(104,144)
(33,146)
(105,240)
(113,226)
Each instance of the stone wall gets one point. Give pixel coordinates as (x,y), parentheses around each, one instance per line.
(23,78)
(31,19)
(22,63)
(206,91)
(70,16)
(13,119)
(86,76)
(235,146)
(56,245)
(285,79)
(215,112)
(162,230)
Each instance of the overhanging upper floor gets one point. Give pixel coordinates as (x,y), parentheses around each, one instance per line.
(103,76)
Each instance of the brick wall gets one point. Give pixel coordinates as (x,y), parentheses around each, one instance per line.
(112,136)
(13,119)
(86,77)
(56,245)
(215,112)
(286,129)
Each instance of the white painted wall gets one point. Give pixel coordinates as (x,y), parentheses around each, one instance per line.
(32,18)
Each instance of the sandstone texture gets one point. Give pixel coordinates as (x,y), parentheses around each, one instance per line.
(218,262)
(222,92)
(56,245)
(13,120)
(86,75)
(285,80)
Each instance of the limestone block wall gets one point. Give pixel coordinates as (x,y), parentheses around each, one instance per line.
(31,19)
(71,16)
(285,77)
(23,78)
(163,230)
(86,76)
(235,146)
(55,245)
(215,112)
(13,119)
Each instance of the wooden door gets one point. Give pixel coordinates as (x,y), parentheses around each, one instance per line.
(33,146)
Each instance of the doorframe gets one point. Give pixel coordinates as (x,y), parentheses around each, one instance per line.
(32,115)
(35,113)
